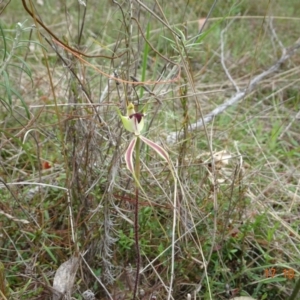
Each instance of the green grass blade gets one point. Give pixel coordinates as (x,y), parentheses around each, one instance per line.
(7,87)
(4,43)
(145,59)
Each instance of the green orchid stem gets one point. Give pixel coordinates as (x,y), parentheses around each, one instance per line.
(136,215)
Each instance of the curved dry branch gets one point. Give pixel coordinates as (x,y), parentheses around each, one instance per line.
(287,53)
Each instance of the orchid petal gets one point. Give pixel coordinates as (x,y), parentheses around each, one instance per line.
(129,154)
(158,149)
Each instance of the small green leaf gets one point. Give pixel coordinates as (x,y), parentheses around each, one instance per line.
(51,254)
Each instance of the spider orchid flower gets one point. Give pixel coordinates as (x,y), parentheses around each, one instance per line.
(134,122)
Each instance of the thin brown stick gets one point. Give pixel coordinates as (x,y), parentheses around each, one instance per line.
(136,238)
(62,43)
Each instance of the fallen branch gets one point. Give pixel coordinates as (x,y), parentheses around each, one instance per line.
(287,53)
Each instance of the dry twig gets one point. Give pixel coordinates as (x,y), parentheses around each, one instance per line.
(286,54)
